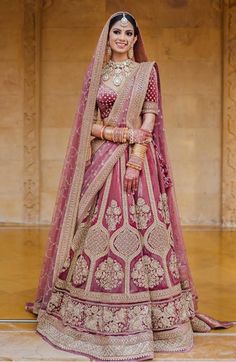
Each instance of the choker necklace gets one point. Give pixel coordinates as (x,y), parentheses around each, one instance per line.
(117,70)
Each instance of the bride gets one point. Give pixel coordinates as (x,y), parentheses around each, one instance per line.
(115,284)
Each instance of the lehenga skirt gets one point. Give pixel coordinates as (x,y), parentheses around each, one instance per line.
(119,295)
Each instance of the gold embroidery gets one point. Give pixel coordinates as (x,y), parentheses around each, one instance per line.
(157,238)
(127,243)
(150,107)
(95,213)
(174,340)
(165,315)
(113,215)
(122,318)
(139,89)
(81,271)
(106,348)
(163,208)
(109,274)
(66,264)
(173,265)
(200,326)
(54,301)
(147,272)
(118,347)
(96,241)
(141,296)
(140,213)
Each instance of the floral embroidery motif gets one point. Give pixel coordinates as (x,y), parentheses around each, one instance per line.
(173,265)
(140,213)
(147,272)
(167,314)
(163,208)
(139,317)
(118,319)
(81,271)
(113,215)
(54,301)
(109,274)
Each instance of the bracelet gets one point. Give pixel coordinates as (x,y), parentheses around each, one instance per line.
(136,159)
(108,133)
(131,135)
(133,165)
(125,134)
(101,134)
(120,134)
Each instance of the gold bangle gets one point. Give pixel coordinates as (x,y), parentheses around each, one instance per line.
(102,130)
(140,147)
(131,135)
(132,165)
(139,150)
(108,133)
(125,134)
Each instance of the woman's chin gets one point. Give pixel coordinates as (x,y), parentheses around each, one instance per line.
(120,51)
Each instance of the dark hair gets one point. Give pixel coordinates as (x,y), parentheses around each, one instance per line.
(128,17)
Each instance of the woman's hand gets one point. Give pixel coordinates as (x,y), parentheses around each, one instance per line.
(140,135)
(131,180)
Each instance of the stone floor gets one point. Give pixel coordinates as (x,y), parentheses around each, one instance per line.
(25,345)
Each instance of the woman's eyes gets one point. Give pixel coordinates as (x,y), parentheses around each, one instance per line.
(117,32)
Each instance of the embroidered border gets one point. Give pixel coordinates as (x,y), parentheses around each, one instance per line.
(150,107)
(120,348)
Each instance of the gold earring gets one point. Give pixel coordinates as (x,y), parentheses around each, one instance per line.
(109,52)
(131,53)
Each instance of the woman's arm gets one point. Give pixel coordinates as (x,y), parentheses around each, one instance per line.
(149,111)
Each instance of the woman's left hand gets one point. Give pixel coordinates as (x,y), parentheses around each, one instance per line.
(131,180)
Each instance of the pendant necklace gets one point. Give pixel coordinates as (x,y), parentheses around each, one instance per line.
(117,70)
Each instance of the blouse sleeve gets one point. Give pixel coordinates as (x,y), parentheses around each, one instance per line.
(150,101)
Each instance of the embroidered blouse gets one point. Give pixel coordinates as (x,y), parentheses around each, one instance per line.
(106,97)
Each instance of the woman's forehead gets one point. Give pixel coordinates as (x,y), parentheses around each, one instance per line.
(118,25)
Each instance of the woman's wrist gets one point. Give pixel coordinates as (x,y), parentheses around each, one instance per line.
(137,156)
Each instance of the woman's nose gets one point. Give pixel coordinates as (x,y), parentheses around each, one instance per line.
(122,36)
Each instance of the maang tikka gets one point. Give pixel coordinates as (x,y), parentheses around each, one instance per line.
(124,21)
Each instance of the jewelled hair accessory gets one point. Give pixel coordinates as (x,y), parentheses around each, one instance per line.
(124,21)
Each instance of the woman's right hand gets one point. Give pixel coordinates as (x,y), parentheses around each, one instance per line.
(141,135)
(131,180)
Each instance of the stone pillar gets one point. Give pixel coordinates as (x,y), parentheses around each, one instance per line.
(31,86)
(228,212)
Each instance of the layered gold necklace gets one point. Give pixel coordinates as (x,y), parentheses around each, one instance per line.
(117,71)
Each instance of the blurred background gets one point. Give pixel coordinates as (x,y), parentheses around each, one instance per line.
(45,47)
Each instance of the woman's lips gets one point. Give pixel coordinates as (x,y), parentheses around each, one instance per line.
(121,45)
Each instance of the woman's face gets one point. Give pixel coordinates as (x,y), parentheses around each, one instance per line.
(121,38)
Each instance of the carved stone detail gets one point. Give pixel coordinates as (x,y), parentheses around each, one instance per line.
(31,67)
(229,116)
